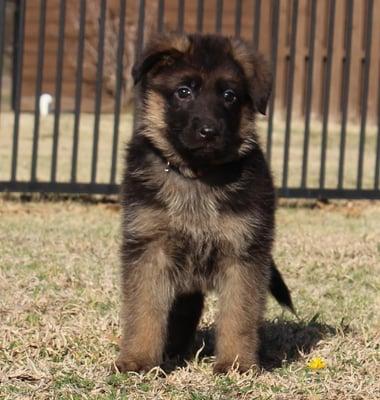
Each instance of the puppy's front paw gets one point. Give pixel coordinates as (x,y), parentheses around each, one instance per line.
(129,364)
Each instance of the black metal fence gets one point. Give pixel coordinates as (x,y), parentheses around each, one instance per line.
(80,152)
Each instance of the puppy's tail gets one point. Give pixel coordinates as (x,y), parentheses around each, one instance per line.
(279,290)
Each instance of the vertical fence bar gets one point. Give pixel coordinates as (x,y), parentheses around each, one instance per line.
(364,99)
(345,90)
(326,92)
(160,15)
(2,41)
(377,155)
(99,88)
(40,67)
(139,46)
(289,101)
(58,88)
(275,30)
(256,26)
(200,12)
(78,88)
(219,16)
(309,92)
(119,87)
(238,11)
(18,86)
(181,15)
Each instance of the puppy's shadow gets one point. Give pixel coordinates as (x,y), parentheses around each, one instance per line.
(282,341)
(285,341)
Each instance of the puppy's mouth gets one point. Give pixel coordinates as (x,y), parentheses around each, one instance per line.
(208,154)
(199,141)
(205,148)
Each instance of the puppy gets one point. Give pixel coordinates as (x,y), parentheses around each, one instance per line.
(198,203)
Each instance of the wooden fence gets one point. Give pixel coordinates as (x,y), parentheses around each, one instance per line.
(335,25)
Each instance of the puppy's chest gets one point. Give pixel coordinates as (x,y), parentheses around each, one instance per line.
(190,207)
(195,212)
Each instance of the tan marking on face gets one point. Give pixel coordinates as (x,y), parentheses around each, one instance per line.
(153,119)
(247,131)
(154,107)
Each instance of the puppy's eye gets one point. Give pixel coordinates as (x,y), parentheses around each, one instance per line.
(184,92)
(229,96)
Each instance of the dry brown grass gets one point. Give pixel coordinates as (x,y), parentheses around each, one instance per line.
(59,309)
(105,149)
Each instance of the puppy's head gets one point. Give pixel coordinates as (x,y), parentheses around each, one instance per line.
(200,94)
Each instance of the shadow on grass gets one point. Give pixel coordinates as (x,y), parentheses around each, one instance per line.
(282,342)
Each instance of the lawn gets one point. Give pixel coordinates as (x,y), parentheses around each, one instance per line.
(59,327)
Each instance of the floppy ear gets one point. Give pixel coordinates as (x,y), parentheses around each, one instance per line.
(257,71)
(163,50)
(149,61)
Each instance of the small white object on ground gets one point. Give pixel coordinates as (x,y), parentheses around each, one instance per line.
(45,100)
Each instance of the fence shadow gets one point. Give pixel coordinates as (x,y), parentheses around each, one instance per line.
(282,342)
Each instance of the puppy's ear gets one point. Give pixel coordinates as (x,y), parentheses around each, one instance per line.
(257,71)
(162,51)
(151,60)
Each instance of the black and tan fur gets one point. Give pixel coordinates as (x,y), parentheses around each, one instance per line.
(198,203)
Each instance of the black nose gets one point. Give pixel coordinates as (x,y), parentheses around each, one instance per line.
(207,132)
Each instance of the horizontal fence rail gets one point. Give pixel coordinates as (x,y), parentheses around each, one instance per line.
(66,97)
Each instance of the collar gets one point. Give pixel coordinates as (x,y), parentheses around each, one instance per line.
(186,172)
(182,170)
(220,175)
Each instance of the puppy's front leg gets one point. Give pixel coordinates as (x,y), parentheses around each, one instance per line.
(147,296)
(242,292)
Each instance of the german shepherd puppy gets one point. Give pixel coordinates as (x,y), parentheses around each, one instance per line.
(198,203)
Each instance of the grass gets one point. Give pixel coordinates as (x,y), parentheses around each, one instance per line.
(65,145)
(59,305)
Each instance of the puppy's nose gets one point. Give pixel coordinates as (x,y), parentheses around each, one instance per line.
(207,132)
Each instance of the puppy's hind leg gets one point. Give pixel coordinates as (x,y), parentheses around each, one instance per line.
(184,317)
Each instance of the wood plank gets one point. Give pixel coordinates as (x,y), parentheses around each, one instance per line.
(300,59)
(319,57)
(356,60)
(374,73)
(282,56)
(337,60)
